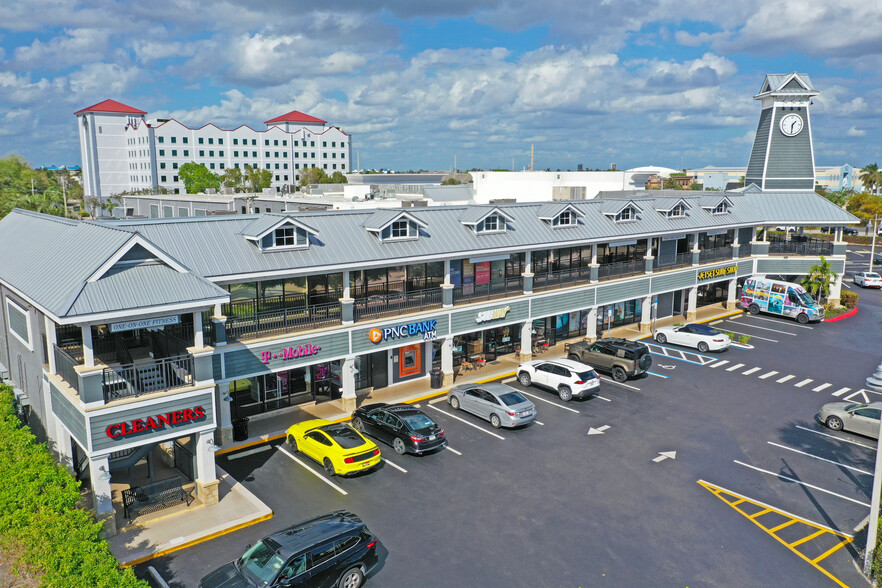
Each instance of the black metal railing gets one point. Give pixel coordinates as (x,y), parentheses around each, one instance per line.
(395,287)
(715,254)
(621,269)
(561,279)
(744,250)
(468,293)
(808,246)
(157,375)
(250,306)
(673,260)
(64,365)
(282,321)
(392,304)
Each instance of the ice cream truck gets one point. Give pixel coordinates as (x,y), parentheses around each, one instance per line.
(783,298)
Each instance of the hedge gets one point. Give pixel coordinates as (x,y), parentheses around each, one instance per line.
(39,517)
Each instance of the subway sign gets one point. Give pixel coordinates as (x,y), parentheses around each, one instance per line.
(428,330)
(716,273)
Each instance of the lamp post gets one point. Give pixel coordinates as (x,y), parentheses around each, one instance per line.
(873,247)
(874,382)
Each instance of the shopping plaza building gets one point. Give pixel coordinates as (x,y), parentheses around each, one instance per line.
(127,334)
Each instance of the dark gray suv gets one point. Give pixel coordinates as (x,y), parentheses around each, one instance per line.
(620,358)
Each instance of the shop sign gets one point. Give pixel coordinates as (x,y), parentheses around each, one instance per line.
(160,421)
(428,329)
(145,324)
(482,272)
(304,350)
(485,316)
(673,237)
(716,273)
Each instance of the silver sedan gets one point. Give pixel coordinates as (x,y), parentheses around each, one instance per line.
(848,416)
(502,405)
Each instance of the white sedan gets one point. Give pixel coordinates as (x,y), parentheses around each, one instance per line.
(700,336)
(868,280)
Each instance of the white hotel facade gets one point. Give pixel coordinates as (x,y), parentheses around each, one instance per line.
(121,151)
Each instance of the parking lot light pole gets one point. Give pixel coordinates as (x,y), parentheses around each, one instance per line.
(874,382)
(873,247)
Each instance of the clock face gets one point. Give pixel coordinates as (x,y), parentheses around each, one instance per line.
(791,125)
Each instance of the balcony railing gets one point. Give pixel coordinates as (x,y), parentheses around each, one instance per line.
(621,269)
(283,321)
(715,254)
(673,260)
(469,293)
(251,306)
(395,287)
(808,246)
(158,375)
(64,365)
(561,279)
(393,304)
(744,250)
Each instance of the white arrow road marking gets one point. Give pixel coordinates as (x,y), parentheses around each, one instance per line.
(862,393)
(785,379)
(801,483)
(315,473)
(803,383)
(598,430)
(841,391)
(734,367)
(768,375)
(663,455)
(397,467)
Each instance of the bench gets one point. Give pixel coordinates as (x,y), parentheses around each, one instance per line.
(154,496)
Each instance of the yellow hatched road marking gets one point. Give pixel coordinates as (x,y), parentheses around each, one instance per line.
(719,492)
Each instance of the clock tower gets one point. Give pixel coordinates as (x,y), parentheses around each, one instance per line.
(782,159)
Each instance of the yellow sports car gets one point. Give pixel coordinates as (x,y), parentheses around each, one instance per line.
(338,447)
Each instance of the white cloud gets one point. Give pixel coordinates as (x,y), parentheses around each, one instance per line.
(74,47)
(856,132)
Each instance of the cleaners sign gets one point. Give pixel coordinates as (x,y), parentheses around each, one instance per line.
(425,328)
(304,350)
(160,421)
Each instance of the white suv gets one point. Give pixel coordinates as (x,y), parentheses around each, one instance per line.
(566,377)
(868,280)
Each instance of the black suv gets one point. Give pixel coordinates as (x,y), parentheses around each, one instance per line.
(619,357)
(333,550)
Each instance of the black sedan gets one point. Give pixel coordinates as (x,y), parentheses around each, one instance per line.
(405,428)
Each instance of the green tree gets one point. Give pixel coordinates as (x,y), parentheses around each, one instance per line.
(871,178)
(337,178)
(450,182)
(820,279)
(233,178)
(311,176)
(197,178)
(837,197)
(257,179)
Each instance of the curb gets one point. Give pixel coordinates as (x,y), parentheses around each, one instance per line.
(851,312)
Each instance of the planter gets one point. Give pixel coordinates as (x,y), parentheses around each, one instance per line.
(851,312)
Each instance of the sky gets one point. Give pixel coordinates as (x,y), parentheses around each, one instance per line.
(420,84)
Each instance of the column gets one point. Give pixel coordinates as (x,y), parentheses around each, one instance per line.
(838,237)
(527,341)
(224,403)
(591,327)
(731,299)
(99,467)
(446,271)
(347,303)
(206,475)
(348,384)
(696,252)
(88,354)
(528,273)
(51,342)
(447,361)
(198,335)
(692,304)
(646,314)
(346,285)
(835,291)
(736,245)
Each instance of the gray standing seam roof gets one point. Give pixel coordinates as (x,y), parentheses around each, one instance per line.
(267,221)
(462,192)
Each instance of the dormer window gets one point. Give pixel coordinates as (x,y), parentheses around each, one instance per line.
(626,214)
(721,208)
(289,237)
(492,224)
(401,229)
(678,211)
(566,219)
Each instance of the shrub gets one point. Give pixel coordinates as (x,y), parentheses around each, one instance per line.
(848,298)
(743,339)
(39,517)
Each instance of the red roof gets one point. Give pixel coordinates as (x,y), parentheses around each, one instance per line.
(111,106)
(296,116)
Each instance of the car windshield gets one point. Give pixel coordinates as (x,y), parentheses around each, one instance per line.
(704,330)
(512,398)
(418,421)
(806,298)
(260,564)
(344,436)
(589,375)
(854,406)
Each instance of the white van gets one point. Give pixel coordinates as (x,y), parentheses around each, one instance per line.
(782,298)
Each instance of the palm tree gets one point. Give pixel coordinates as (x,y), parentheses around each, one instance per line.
(871,178)
(820,279)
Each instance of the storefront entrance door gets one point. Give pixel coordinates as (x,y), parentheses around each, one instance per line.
(410,360)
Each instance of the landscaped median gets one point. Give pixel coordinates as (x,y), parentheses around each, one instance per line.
(43,532)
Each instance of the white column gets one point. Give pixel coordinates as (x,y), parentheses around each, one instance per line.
(99,467)
(528,262)
(591,327)
(692,305)
(198,333)
(594,254)
(732,295)
(765,234)
(205,471)
(224,409)
(348,383)
(218,309)
(447,361)
(838,234)
(835,290)
(527,341)
(51,342)
(446,271)
(735,238)
(346,284)
(88,354)
(695,242)
(646,314)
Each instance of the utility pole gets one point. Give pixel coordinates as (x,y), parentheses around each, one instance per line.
(454,163)
(64,195)
(358,160)
(531,157)
(875,232)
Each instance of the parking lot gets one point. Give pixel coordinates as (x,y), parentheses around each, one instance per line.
(708,471)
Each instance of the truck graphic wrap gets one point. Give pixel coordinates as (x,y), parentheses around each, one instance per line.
(782,298)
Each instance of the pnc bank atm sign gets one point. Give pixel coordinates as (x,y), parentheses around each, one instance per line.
(426,330)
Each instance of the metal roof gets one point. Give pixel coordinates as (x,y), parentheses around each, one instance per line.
(261,225)
(462,192)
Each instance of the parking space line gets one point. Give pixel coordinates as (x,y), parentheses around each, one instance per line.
(835,437)
(785,379)
(760,513)
(828,552)
(658,375)
(449,448)
(315,473)
(509,381)
(841,391)
(782,526)
(540,423)
(397,467)
(548,402)
(602,397)
(768,375)
(752,336)
(719,363)
(801,483)
(605,379)
(734,367)
(803,383)
(860,471)
(468,423)
(821,387)
(759,318)
(248,452)
(750,371)
(807,538)
(437,400)
(766,329)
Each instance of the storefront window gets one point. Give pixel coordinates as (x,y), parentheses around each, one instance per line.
(242,291)
(514,265)
(540,262)
(468,272)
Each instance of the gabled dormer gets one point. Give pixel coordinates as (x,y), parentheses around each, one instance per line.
(485,220)
(621,211)
(672,208)
(716,204)
(560,216)
(272,232)
(394,225)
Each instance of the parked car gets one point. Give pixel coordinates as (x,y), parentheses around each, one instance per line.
(406,428)
(335,549)
(850,231)
(339,448)
(703,337)
(502,405)
(570,379)
(787,229)
(848,416)
(868,280)
(619,357)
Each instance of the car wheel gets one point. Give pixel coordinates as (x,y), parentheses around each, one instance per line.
(618,374)
(453,401)
(494,420)
(565,393)
(753,309)
(398,446)
(802,318)
(358,425)
(351,579)
(834,422)
(574,357)
(660,337)
(292,443)
(524,379)
(329,467)
(702,346)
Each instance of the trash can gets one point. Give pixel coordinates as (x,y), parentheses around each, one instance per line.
(240,429)
(436,378)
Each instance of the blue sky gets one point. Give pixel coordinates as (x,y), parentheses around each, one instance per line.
(635,82)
